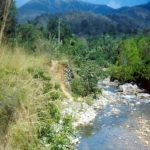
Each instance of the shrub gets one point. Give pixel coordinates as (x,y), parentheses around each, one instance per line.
(39,73)
(78,87)
(90,73)
(28,34)
(47,87)
(57,86)
(55,136)
(54,111)
(132,60)
(54,96)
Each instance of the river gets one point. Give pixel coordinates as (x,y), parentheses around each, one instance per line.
(122,124)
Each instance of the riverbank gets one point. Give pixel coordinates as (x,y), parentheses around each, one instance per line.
(115,99)
(84,114)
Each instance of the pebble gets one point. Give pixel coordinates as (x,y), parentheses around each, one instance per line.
(138,103)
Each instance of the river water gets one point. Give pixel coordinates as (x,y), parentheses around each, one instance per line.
(122,124)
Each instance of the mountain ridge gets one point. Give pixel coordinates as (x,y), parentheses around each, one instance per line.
(35,8)
(125,19)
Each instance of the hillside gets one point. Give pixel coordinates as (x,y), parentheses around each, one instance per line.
(138,15)
(35,8)
(89,19)
(90,24)
(81,23)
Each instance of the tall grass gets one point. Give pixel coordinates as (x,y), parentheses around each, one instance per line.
(20,95)
(30,103)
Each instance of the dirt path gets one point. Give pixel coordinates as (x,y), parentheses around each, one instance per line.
(57,70)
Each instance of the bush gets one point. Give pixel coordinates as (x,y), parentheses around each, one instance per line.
(47,87)
(53,134)
(89,73)
(28,34)
(54,111)
(39,73)
(78,87)
(49,46)
(54,96)
(133,60)
(11,95)
(57,86)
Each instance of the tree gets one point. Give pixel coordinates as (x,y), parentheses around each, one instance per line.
(10,29)
(28,34)
(4,13)
(64,31)
(129,54)
(133,59)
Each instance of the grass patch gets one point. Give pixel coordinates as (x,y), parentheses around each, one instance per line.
(29,112)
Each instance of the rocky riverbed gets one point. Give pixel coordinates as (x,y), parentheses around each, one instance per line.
(112,92)
(121,113)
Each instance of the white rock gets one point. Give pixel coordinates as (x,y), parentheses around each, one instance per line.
(128,88)
(115,111)
(138,103)
(143,96)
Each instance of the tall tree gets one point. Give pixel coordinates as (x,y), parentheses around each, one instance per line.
(5,6)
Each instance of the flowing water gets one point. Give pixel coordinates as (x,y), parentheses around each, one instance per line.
(120,125)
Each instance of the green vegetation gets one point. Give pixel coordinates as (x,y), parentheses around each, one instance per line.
(28,35)
(133,60)
(30,104)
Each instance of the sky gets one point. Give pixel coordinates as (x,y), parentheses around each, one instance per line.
(119,3)
(111,3)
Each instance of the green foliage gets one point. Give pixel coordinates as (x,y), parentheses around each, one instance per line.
(22,135)
(129,54)
(51,111)
(10,30)
(133,59)
(55,135)
(29,105)
(54,95)
(27,35)
(75,48)
(39,74)
(88,57)
(11,95)
(52,28)
(54,111)
(103,49)
(49,46)
(143,44)
(78,88)
(47,87)
(11,23)
(57,86)
(89,100)
(89,73)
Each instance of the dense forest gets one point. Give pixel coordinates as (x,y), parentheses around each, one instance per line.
(31,97)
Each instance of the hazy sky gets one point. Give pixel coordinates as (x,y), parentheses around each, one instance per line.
(112,3)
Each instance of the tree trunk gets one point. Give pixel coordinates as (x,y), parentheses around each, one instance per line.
(4,18)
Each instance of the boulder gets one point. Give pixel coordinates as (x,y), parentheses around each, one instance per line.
(129,88)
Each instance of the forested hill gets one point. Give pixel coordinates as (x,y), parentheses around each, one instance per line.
(35,8)
(139,14)
(96,19)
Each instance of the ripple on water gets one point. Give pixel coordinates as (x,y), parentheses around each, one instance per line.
(119,126)
(112,139)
